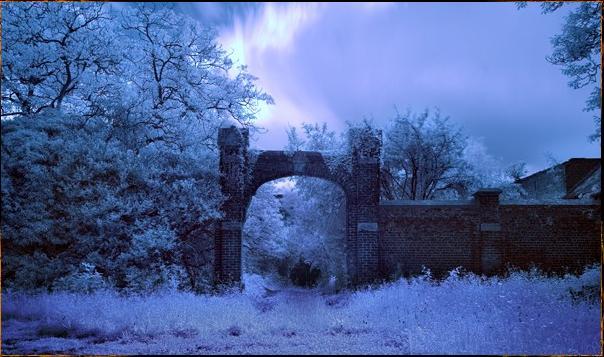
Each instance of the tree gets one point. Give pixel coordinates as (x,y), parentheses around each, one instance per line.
(108,167)
(423,157)
(577,50)
(265,233)
(177,78)
(155,74)
(318,214)
(484,170)
(516,171)
(73,195)
(307,220)
(52,53)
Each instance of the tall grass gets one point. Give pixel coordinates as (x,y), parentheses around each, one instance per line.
(524,313)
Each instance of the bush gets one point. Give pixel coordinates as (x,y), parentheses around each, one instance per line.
(74,197)
(86,280)
(303,274)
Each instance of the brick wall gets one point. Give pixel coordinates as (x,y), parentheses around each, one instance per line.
(440,236)
(402,236)
(552,236)
(484,235)
(357,172)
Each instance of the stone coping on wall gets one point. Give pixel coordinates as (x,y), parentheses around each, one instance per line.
(551,202)
(544,202)
(427,202)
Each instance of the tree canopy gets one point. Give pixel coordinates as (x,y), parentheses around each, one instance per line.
(109,123)
(577,50)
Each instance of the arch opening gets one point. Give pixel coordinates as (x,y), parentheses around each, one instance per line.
(292,219)
(356,171)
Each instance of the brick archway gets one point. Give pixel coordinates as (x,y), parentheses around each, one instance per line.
(356,172)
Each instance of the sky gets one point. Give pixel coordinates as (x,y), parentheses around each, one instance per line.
(482,64)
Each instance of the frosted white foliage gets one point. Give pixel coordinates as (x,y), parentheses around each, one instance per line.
(304,218)
(484,170)
(178,75)
(265,233)
(76,195)
(317,208)
(336,160)
(110,117)
(423,158)
(316,219)
(85,280)
(252,159)
(53,53)
(319,139)
(578,50)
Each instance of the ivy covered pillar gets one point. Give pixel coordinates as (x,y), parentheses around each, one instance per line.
(233,145)
(365,146)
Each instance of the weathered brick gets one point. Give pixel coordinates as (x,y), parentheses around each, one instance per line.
(482,235)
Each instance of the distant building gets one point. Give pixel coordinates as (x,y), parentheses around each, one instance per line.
(575,178)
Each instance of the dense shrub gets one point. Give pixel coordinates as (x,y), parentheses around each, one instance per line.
(109,168)
(80,209)
(304,274)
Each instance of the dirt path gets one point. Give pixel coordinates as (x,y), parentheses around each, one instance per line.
(22,337)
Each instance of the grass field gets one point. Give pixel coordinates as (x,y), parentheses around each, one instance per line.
(522,314)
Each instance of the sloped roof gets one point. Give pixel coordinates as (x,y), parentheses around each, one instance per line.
(576,170)
(538,173)
(589,186)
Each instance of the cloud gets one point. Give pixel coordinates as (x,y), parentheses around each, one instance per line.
(270,33)
(482,64)
(274,27)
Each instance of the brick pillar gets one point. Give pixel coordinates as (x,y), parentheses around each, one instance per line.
(351,238)
(365,145)
(488,252)
(233,143)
